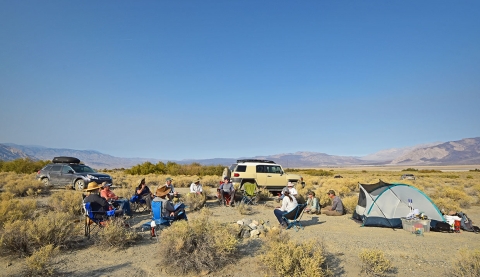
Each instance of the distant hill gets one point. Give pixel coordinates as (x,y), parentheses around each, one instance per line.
(461,152)
(465,151)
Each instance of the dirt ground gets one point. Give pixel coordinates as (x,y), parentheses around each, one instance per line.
(428,255)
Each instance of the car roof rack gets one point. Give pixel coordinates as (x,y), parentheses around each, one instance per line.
(255,161)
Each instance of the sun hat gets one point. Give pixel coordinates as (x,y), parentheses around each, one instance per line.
(331,192)
(106,184)
(196,180)
(168,179)
(226,178)
(141,181)
(162,191)
(289,184)
(92,186)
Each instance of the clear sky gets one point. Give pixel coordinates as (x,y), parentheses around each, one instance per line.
(228,79)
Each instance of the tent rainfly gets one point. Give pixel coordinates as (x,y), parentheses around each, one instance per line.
(384,205)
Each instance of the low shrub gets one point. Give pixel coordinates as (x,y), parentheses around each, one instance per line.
(289,258)
(40,263)
(116,234)
(263,194)
(244,209)
(446,204)
(24,187)
(374,262)
(465,264)
(198,245)
(410,169)
(15,209)
(455,194)
(350,203)
(194,201)
(67,201)
(26,236)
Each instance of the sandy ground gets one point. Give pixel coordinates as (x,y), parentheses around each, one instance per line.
(428,255)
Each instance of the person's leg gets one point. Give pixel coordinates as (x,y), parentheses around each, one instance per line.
(332,213)
(124,205)
(278,214)
(148,200)
(326,209)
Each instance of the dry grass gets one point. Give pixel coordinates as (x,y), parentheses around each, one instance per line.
(465,264)
(41,261)
(23,185)
(15,209)
(116,234)
(67,201)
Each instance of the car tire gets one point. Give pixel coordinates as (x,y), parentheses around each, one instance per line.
(45,181)
(79,184)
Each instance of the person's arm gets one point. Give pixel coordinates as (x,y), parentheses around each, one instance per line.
(294,192)
(169,206)
(103,194)
(335,203)
(139,190)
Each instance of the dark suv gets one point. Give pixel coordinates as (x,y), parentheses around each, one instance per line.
(69,171)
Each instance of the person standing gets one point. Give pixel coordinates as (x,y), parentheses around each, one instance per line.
(336,209)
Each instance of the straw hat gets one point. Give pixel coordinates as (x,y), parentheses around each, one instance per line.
(196,180)
(162,191)
(92,186)
(141,181)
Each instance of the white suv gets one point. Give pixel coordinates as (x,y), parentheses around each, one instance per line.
(265,173)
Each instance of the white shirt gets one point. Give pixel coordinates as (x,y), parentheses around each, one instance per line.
(292,190)
(196,188)
(287,204)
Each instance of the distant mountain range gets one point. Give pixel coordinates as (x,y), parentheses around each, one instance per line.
(460,152)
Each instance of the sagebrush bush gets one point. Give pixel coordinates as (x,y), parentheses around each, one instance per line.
(289,258)
(465,264)
(198,245)
(457,195)
(15,209)
(374,262)
(67,201)
(194,201)
(24,187)
(244,209)
(40,263)
(25,236)
(263,194)
(350,203)
(116,234)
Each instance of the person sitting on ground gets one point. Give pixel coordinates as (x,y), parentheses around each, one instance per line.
(99,205)
(196,187)
(288,204)
(168,209)
(228,191)
(116,201)
(337,206)
(143,191)
(313,205)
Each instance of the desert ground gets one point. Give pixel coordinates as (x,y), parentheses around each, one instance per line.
(428,255)
(344,238)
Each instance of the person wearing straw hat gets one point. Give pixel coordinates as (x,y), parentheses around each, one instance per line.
(98,203)
(168,209)
(290,188)
(196,187)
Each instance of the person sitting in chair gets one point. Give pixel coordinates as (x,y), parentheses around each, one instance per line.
(288,203)
(228,191)
(313,207)
(173,195)
(106,193)
(98,204)
(143,191)
(290,188)
(168,209)
(337,206)
(196,187)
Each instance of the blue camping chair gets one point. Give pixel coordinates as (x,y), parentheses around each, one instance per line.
(95,218)
(138,204)
(160,220)
(293,217)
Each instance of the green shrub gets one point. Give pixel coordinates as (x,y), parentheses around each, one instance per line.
(374,262)
(410,169)
(289,258)
(465,264)
(116,234)
(198,245)
(22,166)
(67,201)
(41,261)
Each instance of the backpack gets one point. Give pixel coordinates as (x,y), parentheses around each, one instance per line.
(466,224)
(442,227)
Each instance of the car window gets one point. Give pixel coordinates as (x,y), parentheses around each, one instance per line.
(80,168)
(56,168)
(241,168)
(273,169)
(260,168)
(47,168)
(66,168)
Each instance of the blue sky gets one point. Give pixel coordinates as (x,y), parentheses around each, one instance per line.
(229,79)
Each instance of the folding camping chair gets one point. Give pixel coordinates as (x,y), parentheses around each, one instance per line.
(157,219)
(138,204)
(293,217)
(91,219)
(249,193)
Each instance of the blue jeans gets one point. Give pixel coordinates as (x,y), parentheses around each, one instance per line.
(124,204)
(278,213)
